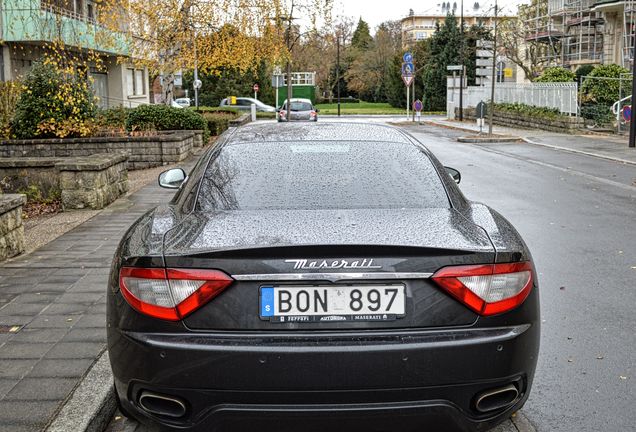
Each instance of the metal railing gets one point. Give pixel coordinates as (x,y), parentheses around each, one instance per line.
(562,96)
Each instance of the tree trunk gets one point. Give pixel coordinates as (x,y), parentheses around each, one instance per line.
(167,89)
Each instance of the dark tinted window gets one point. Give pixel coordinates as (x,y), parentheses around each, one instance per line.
(301,106)
(321,175)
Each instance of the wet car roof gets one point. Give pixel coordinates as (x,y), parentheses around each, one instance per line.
(346,131)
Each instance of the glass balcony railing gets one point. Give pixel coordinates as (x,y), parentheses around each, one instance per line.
(47,21)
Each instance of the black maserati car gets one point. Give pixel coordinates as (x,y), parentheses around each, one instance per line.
(312,277)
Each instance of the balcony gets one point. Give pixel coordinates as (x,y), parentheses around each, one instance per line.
(608,6)
(75,24)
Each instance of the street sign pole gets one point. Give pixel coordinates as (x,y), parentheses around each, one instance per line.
(413,95)
(408,76)
(408,99)
(632,124)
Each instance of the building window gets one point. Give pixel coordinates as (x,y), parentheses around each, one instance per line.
(420,36)
(90,11)
(135,82)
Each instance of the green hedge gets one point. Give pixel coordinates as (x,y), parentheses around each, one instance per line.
(163,117)
(529,110)
(343,100)
(218,122)
(601,114)
(204,109)
(112,117)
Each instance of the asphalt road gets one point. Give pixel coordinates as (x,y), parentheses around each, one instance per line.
(578,215)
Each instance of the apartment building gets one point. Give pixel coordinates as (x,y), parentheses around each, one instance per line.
(579,32)
(420,26)
(29,26)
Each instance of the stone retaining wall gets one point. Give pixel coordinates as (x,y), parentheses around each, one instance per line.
(240,120)
(18,174)
(11,229)
(503,118)
(144,151)
(93,181)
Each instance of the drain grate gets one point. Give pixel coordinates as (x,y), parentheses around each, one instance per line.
(10,328)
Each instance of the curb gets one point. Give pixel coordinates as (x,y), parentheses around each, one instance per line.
(555,147)
(521,422)
(597,155)
(92,403)
(487,139)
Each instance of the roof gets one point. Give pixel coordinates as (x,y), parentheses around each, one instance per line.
(322,131)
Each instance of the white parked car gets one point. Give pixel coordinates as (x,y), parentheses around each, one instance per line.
(183,102)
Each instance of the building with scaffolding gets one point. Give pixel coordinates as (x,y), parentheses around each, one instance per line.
(571,33)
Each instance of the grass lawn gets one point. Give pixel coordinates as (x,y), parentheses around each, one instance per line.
(360,108)
(368,108)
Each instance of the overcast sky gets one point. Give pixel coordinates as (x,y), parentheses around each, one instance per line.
(376,11)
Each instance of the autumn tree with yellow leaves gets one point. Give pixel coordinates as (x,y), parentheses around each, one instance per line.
(213,35)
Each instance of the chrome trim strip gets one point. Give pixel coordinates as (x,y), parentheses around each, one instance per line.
(333,277)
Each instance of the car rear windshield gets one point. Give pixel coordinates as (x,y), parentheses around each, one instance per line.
(301,106)
(320,175)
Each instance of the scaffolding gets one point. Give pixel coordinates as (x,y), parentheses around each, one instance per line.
(629,19)
(570,29)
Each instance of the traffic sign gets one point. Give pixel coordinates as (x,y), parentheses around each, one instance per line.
(407,57)
(454,67)
(255,87)
(418,105)
(407,69)
(197,84)
(627,113)
(407,79)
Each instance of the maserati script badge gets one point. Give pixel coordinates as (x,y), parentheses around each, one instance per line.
(303,264)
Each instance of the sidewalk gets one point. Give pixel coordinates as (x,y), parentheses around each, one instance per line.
(606,147)
(52,313)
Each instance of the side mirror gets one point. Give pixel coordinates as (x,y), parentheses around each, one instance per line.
(172,179)
(317,110)
(455,175)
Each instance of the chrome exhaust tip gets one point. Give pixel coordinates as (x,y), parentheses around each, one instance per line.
(491,400)
(163,405)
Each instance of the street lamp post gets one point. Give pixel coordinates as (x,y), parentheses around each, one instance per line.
(338,71)
(492,84)
(461,61)
(632,124)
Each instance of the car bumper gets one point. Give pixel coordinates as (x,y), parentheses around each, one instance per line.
(382,381)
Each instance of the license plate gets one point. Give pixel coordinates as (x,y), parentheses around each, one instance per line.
(328,303)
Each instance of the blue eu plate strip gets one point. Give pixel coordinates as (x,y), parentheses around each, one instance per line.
(267,301)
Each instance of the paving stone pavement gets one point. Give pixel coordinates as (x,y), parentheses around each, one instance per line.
(53,313)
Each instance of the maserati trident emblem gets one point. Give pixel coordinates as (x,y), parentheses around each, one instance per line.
(303,264)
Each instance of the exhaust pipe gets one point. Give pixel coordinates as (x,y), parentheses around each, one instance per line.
(162,405)
(495,399)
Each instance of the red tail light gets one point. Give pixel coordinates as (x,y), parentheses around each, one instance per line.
(170,294)
(488,289)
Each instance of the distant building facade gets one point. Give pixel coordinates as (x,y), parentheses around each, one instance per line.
(417,27)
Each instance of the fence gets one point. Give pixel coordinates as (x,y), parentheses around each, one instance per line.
(562,96)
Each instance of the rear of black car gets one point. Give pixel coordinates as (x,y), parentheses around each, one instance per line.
(313,285)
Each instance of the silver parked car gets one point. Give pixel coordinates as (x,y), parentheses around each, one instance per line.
(299,109)
(244,103)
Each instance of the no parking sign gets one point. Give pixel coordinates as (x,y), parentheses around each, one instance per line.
(627,113)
